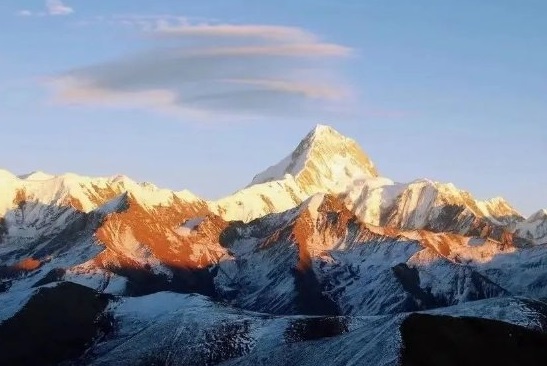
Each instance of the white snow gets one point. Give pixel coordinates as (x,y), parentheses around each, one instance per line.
(189,225)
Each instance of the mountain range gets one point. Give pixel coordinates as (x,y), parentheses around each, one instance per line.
(318,259)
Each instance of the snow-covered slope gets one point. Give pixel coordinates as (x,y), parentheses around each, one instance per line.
(430,205)
(320,234)
(499,211)
(150,233)
(260,199)
(316,258)
(141,237)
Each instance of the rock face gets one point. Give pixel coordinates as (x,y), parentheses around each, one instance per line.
(320,233)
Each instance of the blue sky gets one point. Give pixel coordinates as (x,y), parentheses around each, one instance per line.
(452,91)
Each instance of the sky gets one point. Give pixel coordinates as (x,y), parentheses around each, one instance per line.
(203,95)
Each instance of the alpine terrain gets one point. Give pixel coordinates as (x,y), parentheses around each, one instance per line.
(318,260)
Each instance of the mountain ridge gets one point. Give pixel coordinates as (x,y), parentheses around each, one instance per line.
(336,257)
(306,171)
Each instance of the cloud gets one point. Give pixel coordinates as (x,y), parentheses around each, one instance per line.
(287,50)
(56,7)
(24,13)
(208,70)
(52,7)
(308,90)
(267,32)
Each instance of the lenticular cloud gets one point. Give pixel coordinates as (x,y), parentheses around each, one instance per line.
(212,70)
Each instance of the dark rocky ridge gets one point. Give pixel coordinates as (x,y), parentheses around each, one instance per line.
(443,340)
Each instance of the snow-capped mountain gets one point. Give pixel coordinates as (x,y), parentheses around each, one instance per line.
(438,207)
(57,227)
(260,199)
(320,233)
(321,258)
(80,192)
(323,162)
(327,162)
(534,228)
(272,263)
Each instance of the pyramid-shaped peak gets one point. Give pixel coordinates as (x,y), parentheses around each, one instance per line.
(324,161)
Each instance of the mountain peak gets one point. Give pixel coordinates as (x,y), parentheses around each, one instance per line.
(324,134)
(324,161)
(538,216)
(321,129)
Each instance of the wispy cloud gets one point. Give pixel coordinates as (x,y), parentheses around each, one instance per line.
(267,32)
(52,7)
(24,13)
(214,70)
(56,7)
